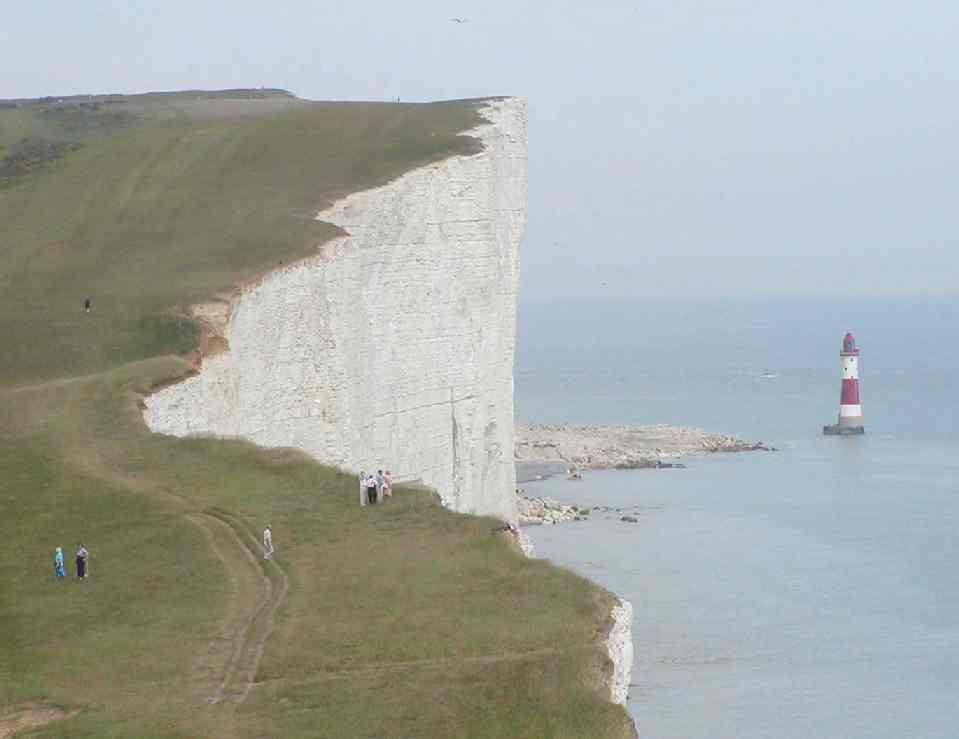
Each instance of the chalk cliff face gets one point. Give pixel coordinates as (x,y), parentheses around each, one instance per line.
(393,347)
(619,646)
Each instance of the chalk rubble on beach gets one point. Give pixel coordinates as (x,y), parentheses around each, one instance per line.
(592,447)
(534,511)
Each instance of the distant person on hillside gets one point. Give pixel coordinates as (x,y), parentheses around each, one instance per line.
(86,305)
(267,543)
(82,556)
(380,484)
(371,489)
(388,484)
(363,488)
(58,567)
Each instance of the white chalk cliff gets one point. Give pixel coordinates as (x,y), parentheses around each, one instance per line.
(619,646)
(393,347)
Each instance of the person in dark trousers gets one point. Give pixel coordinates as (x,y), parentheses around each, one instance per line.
(371,489)
(86,305)
(82,555)
(380,483)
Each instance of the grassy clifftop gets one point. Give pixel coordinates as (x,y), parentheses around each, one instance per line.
(150,203)
(401,620)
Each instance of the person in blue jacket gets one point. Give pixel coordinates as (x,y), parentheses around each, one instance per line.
(58,567)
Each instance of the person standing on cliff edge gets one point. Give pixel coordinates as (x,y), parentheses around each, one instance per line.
(267,543)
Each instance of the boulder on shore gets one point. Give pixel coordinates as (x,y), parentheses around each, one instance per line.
(543,511)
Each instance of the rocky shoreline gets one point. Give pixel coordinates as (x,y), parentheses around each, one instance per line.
(544,450)
(536,511)
(593,447)
(543,511)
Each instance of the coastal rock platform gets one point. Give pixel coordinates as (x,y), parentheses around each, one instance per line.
(619,447)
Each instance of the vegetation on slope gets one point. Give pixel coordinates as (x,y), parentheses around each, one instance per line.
(401,620)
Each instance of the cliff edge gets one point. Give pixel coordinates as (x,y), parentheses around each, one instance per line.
(393,347)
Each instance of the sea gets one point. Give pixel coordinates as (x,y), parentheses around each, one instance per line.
(812,591)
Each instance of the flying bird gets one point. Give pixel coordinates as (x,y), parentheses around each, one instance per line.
(459,20)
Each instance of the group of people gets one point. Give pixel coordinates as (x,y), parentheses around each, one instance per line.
(83,566)
(59,566)
(375,488)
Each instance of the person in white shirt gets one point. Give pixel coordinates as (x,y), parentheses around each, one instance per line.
(267,543)
(362,488)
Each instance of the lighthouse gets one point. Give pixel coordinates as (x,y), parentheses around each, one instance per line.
(850,407)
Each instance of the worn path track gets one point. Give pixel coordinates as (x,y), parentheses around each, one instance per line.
(483,659)
(226,672)
(245,631)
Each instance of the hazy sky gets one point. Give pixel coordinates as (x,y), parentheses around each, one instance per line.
(676,147)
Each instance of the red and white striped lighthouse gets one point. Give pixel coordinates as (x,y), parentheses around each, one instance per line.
(850,405)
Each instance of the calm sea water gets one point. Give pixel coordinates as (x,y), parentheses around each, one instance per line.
(812,592)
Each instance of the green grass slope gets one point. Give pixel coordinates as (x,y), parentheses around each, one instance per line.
(401,620)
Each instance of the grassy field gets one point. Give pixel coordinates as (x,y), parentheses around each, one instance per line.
(402,620)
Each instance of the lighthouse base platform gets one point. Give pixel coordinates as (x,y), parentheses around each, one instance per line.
(837,430)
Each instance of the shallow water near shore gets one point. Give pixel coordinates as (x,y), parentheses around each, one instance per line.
(806,592)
